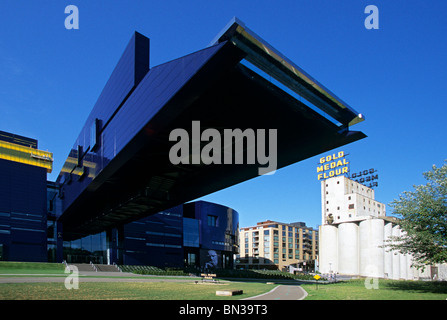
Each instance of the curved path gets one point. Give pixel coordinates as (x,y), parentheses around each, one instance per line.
(282,292)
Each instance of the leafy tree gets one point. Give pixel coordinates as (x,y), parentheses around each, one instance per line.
(423,218)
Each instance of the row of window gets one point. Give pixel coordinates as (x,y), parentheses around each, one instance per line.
(276,234)
(284,245)
(290,230)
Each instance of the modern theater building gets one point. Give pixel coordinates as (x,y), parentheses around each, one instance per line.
(119,198)
(199,234)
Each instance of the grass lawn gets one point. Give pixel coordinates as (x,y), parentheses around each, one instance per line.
(387,290)
(113,290)
(9,267)
(127,291)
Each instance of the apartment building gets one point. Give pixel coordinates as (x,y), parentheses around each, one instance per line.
(277,245)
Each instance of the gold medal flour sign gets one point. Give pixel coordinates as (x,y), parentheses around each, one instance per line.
(332,165)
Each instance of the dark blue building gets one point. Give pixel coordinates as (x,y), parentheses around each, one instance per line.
(210,235)
(200,234)
(23,199)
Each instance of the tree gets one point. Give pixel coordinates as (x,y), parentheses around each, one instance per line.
(423,219)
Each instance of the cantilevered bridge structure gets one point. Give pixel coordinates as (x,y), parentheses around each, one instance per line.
(118,170)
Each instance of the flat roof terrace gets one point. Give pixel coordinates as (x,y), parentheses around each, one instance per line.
(125,173)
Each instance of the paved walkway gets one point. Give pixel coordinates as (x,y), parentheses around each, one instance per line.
(282,292)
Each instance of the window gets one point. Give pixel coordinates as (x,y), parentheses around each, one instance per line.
(80,155)
(94,134)
(212,221)
(191,258)
(351,206)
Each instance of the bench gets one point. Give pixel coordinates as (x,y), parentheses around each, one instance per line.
(228,292)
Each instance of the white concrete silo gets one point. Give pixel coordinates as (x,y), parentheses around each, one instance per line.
(388,255)
(348,248)
(410,270)
(328,248)
(403,266)
(396,255)
(403,262)
(371,235)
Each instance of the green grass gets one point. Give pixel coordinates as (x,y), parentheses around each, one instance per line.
(387,290)
(9,267)
(127,291)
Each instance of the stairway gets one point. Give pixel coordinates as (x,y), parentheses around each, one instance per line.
(106,268)
(83,266)
(96,267)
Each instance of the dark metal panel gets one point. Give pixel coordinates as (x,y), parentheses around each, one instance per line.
(23,211)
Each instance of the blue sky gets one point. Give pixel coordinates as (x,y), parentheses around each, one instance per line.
(50,78)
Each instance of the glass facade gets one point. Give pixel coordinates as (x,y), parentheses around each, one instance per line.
(177,237)
(88,249)
(191,233)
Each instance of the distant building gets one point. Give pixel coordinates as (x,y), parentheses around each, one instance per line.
(354,228)
(23,198)
(277,245)
(344,200)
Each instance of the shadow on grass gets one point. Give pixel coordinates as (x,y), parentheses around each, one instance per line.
(418,286)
